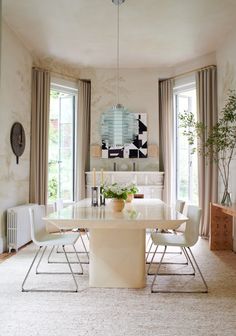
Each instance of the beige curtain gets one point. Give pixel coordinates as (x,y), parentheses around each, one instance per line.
(167,137)
(83,138)
(206,81)
(39,136)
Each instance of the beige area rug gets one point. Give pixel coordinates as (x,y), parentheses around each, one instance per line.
(118,312)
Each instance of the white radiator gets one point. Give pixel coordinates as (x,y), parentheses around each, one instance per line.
(18,226)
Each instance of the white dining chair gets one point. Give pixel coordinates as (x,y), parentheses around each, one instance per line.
(59,205)
(185,240)
(179,206)
(43,240)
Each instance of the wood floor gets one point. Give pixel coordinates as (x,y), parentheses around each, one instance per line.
(6,255)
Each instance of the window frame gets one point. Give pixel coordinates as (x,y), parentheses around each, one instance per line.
(68,87)
(183,85)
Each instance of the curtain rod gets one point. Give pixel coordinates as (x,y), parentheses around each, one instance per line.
(173,77)
(189,72)
(56,73)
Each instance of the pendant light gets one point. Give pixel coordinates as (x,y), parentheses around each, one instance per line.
(119,126)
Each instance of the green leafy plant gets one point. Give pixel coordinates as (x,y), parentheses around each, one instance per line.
(52,189)
(115,191)
(132,188)
(220,141)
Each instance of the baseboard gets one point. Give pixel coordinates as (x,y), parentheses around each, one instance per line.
(3,244)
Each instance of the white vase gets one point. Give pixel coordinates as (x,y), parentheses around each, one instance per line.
(117,204)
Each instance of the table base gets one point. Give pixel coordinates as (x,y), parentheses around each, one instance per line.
(117,258)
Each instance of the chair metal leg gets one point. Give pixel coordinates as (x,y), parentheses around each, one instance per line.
(171,263)
(203,280)
(64,262)
(171,252)
(84,247)
(77,255)
(49,290)
(149,251)
(71,270)
(55,262)
(49,262)
(177,263)
(188,259)
(155,276)
(151,262)
(180,291)
(28,272)
(40,259)
(80,252)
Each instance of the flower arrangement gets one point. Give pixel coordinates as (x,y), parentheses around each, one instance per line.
(119,191)
(115,191)
(119,194)
(132,188)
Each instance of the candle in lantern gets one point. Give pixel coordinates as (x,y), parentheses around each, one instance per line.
(102,177)
(94,177)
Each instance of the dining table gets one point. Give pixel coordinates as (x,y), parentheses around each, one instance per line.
(117,240)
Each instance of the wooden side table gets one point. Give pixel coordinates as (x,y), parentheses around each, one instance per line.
(221,226)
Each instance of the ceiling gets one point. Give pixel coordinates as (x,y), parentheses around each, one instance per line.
(153,33)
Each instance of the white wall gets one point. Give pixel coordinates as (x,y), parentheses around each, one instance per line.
(226,63)
(196,63)
(16,64)
(138,92)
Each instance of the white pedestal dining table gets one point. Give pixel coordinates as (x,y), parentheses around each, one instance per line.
(117,239)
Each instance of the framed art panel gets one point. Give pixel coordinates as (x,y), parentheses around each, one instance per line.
(134,150)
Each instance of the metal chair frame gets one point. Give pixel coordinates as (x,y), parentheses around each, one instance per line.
(37,272)
(179,207)
(58,205)
(189,253)
(42,239)
(188,239)
(152,262)
(155,252)
(81,252)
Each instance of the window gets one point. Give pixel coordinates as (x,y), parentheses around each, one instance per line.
(61,155)
(186,163)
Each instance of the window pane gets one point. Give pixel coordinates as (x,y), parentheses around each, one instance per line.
(186,163)
(182,156)
(61,146)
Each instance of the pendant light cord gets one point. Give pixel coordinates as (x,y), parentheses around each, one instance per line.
(118,56)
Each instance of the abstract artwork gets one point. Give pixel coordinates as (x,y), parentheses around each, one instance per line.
(134,150)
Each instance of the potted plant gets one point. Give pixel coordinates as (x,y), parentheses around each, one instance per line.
(117,193)
(220,143)
(132,189)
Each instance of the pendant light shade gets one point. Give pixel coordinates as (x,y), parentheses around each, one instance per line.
(118,126)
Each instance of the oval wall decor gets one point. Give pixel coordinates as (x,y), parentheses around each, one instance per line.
(17,140)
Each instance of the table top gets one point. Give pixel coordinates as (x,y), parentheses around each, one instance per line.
(140,214)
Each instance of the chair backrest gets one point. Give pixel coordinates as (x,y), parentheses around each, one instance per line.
(192,225)
(36,223)
(58,204)
(179,206)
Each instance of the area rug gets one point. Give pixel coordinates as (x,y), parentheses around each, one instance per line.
(117,312)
